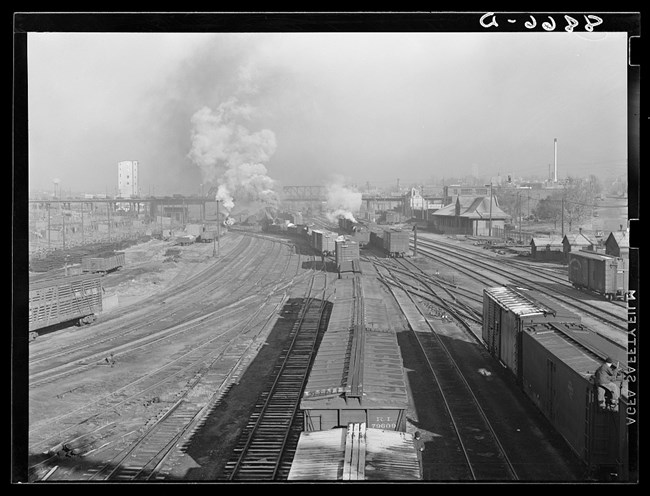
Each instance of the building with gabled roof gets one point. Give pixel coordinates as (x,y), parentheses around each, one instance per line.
(618,244)
(470,215)
(549,248)
(577,241)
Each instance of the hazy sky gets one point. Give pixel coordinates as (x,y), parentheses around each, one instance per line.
(368,107)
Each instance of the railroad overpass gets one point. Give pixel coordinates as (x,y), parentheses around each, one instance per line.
(318,194)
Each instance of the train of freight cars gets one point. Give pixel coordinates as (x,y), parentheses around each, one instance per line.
(393,242)
(66,300)
(356,231)
(356,392)
(605,275)
(553,358)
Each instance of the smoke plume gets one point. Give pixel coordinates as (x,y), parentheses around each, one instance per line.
(231,157)
(342,201)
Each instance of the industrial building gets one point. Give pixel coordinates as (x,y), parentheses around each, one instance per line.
(127,179)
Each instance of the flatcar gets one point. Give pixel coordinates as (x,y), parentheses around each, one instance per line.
(73,299)
(356,452)
(349,269)
(605,275)
(557,376)
(358,374)
(103,263)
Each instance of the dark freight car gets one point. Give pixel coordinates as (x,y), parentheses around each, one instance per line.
(346,251)
(323,242)
(357,375)
(557,376)
(357,232)
(74,299)
(396,242)
(603,274)
(103,263)
(506,311)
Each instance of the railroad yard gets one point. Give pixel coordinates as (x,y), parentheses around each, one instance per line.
(287,255)
(195,368)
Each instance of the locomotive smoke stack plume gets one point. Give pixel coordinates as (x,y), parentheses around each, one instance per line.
(231,156)
(342,201)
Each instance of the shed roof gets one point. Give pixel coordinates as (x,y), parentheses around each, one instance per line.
(473,208)
(579,239)
(620,237)
(355,453)
(551,242)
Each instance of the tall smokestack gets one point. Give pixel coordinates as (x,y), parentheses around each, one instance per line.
(555,174)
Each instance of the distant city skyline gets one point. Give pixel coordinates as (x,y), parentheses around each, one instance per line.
(260,109)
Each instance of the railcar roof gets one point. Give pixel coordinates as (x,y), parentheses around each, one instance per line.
(355,453)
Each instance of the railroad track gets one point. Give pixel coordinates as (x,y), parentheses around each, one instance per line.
(90,425)
(450,257)
(555,275)
(150,326)
(126,321)
(483,454)
(266,446)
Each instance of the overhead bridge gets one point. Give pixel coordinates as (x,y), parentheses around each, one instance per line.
(319,194)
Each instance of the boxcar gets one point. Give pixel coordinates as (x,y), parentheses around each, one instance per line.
(74,299)
(323,241)
(557,376)
(346,251)
(103,263)
(506,310)
(356,452)
(603,274)
(357,375)
(396,242)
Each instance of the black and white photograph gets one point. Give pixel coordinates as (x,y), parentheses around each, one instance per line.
(312,248)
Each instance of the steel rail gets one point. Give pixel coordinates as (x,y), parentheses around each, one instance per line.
(464,381)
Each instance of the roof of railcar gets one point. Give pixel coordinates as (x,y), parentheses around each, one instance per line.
(524,302)
(65,280)
(337,454)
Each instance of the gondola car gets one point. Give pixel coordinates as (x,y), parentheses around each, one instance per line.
(103,263)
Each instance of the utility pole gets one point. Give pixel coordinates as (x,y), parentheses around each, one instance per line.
(48,226)
(415,240)
(563,215)
(63,229)
(490,224)
(519,207)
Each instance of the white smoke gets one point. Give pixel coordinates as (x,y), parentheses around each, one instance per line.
(231,156)
(342,201)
